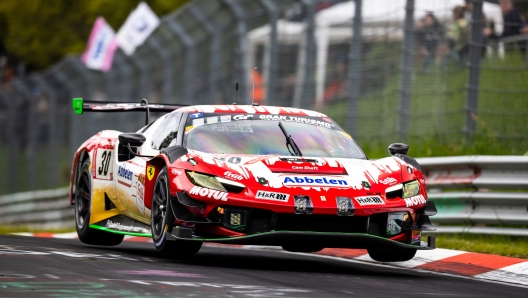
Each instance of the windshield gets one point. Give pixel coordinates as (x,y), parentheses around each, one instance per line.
(223,134)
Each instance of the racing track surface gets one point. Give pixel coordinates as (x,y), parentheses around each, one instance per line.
(37,267)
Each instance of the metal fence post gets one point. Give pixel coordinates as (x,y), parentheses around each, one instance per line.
(270,53)
(190,59)
(406,71)
(475,43)
(214,60)
(12,170)
(242,67)
(72,92)
(165,59)
(30,133)
(52,129)
(354,69)
(303,95)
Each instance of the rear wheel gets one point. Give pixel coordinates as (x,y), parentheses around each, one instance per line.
(382,255)
(162,221)
(83,208)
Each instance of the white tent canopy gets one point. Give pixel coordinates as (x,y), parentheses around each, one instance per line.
(379,17)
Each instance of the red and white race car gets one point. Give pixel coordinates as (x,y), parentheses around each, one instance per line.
(246,174)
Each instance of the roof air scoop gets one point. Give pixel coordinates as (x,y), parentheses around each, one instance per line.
(400,148)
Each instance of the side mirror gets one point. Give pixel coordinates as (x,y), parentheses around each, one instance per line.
(128,143)
(134,139)
(400,148)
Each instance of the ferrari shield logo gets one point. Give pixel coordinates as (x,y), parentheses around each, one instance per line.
(150,172)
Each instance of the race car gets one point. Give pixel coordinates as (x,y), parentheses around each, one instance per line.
(246,174)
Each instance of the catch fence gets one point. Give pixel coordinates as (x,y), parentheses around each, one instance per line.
(385,76)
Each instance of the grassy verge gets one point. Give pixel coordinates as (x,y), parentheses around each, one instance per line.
(21,229)
(491,244)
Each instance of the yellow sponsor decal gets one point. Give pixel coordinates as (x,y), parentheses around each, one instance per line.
(188,128)
(150,172)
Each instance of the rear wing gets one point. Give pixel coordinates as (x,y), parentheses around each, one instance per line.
(80,106)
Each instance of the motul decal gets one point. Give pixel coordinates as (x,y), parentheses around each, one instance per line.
(208,193)
(416,200)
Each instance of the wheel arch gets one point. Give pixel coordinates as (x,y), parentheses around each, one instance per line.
(79,158)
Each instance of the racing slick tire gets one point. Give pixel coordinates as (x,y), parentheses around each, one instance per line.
(162,221)
(83,208)
(296,248)
(383,255)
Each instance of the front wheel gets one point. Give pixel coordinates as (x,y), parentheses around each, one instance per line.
(162,221)
(83,209)
(382,255)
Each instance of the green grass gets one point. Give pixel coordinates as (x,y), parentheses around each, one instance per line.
(21,229)
(491,244)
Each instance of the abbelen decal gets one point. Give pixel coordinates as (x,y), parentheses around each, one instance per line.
(416,200)
(274,196)
(369,200)
(313,180)
(209,193)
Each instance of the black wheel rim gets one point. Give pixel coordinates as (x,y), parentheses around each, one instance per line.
(159,208)
(82,201)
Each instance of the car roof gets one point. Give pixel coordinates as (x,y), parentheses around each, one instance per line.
(250,109)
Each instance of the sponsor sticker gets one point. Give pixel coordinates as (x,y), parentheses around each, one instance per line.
(208,193)
(233,176)
(211,120)
(369,200)
(296,119)
(305,168)
(196,115)
(125,173)
(243,117)
(314,181)
(274,196)
(151,170)
(198,122)
(388,180)
(414,201)
(118,226)
(323,198)
(225,118)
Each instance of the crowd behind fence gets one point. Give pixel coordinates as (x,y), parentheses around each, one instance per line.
(388,75)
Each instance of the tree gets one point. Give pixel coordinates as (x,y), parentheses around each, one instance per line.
(41,32)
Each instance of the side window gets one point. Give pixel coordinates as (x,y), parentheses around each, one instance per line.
(167,132)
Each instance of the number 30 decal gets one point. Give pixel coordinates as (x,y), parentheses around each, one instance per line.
(103,162)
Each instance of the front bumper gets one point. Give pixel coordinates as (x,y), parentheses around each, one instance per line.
(327,240)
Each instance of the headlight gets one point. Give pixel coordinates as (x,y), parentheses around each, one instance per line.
(405,190)
(411,189)
(216,183)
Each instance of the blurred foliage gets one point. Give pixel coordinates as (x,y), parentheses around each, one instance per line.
(504,245)
(41,32)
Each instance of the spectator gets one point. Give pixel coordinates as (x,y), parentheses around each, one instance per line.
(458,34)
(513,19)
(429,35)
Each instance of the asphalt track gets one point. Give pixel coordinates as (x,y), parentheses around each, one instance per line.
(38,267)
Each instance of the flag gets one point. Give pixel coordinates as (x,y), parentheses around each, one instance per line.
(101,46)
(137,27)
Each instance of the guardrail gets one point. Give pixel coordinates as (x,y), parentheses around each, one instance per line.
(471,190)
(478,191)
(42,210)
